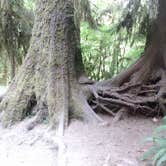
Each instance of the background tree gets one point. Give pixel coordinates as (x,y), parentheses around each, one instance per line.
(15,29)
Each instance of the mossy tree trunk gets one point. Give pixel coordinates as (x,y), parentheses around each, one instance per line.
(141,88)
(51,79)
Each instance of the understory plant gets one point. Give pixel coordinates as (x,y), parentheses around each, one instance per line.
(158,151)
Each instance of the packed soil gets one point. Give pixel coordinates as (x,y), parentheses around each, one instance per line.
(117,144)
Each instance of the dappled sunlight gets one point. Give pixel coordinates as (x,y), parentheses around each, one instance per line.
(3,89)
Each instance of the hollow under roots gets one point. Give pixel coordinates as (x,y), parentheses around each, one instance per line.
(145,97)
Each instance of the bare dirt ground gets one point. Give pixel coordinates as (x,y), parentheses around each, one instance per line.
(118,144)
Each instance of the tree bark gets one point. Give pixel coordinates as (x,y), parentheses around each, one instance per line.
(52,79)
(48,80)
(142,86)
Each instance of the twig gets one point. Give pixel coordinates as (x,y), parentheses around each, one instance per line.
(107,110)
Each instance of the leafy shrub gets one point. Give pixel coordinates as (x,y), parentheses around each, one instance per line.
(158,151)
(106,52)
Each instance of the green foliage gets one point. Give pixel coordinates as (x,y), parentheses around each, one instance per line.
(158,151)
(83,12)
(106,53)
(107,50)
(138,16)
(16,21)
(29,4)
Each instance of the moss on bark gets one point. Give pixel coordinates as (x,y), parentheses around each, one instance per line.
(51,69)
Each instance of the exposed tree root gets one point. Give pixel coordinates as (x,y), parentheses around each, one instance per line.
(37,119)
(86,100)
(145,97)
(53,76)
(121,114)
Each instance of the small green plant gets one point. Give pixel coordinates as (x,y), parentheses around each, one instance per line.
(158,151)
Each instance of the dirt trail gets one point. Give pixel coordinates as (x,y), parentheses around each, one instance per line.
(21,148)
(118,144)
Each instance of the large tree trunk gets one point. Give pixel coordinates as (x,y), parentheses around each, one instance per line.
(48,80)
(51,80)
(141,88)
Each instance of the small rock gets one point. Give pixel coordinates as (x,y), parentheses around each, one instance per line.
(99,143)
(155,120)
(104,124)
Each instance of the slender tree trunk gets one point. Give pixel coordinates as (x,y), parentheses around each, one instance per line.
(12,65)
(5,73)
(5,68)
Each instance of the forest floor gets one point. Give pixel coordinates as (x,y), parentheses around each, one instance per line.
(118,144)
